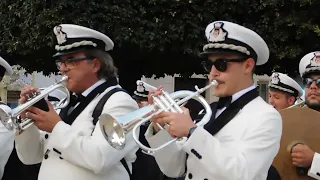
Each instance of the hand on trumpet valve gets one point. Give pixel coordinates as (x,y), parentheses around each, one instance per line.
(179,124)
(154,93)
(26,95)
(156,124)
(44,120)
(150,101)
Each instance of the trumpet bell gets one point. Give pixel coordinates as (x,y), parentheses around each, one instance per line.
(6,120)
(112,131)
(115,129)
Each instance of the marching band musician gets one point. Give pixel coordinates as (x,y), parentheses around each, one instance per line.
(141,95)
(139,171)
(283,91)
(243,135)
(6,136)
(68,145)
(302,155)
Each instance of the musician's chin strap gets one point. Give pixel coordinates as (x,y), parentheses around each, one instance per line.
(301,171)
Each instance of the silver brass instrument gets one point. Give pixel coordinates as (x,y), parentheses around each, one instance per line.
(299,104)
(115,129)
(12,121)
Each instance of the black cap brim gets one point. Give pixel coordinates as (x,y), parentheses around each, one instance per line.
(58,54)
(312,72)
(135,97)
(73,50)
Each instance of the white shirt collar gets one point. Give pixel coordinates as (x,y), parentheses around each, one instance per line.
(242,92)
(86,92)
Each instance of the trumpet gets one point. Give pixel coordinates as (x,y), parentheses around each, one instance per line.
(12,121)
(115,129)
(299,104)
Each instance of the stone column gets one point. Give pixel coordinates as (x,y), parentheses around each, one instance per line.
(3,91)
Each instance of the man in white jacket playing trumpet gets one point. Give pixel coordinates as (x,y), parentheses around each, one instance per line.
(243,135)
(71,145)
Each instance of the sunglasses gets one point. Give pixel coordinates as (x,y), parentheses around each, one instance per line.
(220,64)
(308,81)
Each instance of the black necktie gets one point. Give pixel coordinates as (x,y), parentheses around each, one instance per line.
(74,99)
(224,102)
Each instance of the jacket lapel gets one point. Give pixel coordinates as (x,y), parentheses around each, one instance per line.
(83,104)
(216,124)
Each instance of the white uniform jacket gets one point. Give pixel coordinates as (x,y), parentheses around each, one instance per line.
(314,170)
(72,153)
(6,143)
(242,150)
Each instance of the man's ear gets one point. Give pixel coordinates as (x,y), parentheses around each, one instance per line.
(291,100)
(249,65)
(96,64)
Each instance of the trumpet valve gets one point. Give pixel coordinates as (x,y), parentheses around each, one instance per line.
(25,124)
(33,95)
(148,152)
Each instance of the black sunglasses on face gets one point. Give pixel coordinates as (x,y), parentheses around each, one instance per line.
(220,64)
(308,81)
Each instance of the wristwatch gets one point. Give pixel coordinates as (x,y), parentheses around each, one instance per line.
(191,131)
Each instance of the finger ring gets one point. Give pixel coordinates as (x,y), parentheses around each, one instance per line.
(166,126)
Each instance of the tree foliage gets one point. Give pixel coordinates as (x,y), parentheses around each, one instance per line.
(158,36)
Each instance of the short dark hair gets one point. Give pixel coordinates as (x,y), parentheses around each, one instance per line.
(241,55)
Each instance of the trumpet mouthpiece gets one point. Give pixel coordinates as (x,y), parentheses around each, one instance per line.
(214,82)
(63,80)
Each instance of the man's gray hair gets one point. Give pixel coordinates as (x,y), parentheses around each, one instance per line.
(108,69)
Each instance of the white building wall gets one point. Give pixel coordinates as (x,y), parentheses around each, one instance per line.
(167,82)
(45,81)
(41,80)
